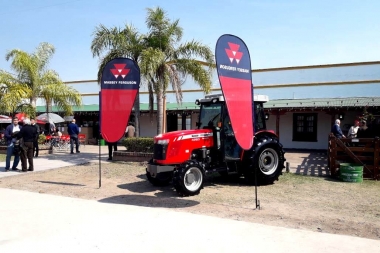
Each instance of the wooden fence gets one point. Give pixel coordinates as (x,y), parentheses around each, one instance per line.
(363,151)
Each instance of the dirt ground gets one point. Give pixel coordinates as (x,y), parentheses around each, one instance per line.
(295,201)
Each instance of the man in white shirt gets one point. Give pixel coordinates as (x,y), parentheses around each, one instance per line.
(352,133)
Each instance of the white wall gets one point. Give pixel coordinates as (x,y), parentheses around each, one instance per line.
(148,128)
(323,130)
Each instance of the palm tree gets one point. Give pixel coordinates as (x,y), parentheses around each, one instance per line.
(12,95)
(32,74)
(165,61)
(118,42)
(161,58)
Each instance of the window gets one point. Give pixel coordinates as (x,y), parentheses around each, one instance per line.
(210,115)
(259,117)
(180,125)
(305,127)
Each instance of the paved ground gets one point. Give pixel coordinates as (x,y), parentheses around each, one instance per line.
(46,223)
(32,222)
(62,158)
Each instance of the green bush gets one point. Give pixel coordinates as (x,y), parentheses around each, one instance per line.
(138,144)
(41,139)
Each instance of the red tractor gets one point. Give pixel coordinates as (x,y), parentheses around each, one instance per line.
(187,156)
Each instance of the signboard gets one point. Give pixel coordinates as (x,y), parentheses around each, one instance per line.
(234,70)
(119,85)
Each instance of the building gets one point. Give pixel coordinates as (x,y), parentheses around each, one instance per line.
(304,101)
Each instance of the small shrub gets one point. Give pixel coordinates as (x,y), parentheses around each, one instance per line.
(41,139)
(138,144)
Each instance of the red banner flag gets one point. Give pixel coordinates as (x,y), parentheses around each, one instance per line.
(119,85)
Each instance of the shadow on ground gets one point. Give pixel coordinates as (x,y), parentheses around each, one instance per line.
(311,164)
(59,183)
(159,200)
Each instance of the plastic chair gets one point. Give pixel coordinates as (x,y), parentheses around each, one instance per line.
(82,139)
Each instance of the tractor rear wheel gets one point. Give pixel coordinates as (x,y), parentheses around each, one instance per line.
(268,159)
(188,179)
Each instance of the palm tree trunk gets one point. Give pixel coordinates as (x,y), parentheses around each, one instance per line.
(137,114)
(33,102)
(160,109)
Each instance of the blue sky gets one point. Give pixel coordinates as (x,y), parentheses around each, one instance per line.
(277,32)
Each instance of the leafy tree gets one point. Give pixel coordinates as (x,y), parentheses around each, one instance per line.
(36,81)
(12,95)
(114,43)
(163,60)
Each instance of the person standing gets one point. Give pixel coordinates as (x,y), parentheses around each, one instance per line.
(28,134)
(130,130)
(337,131)
(73,131)
(10,135)
(35,143)
(363,131)
(110,145)
(352,133)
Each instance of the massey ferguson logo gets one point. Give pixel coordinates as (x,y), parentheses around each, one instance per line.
(233,52)
(120,70)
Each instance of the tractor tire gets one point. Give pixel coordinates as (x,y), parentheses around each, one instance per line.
(268,158)
(162,179)
(188,179)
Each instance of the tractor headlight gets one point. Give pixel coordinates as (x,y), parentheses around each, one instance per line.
(163,142)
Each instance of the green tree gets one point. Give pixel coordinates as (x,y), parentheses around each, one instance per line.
(12,95)
(38,81)
(166,61)
(163,60)
(115,42)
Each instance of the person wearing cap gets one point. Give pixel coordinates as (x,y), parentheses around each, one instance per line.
(352,133)
(73,131)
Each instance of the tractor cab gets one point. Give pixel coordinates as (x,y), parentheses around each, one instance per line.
(214,115)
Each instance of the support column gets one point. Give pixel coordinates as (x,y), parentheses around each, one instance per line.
(164,130)
(278,124)
(183,121)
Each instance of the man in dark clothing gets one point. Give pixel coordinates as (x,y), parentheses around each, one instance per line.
(73,131)
(35,143)
(110,145)
(337,131)
(28,134)
(10,135)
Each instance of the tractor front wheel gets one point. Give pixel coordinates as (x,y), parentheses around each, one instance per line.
(188,178)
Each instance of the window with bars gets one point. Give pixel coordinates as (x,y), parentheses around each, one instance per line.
(305,127)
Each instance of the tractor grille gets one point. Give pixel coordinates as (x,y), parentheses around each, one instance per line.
(159,151)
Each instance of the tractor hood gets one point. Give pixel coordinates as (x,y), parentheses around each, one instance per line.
(182,135)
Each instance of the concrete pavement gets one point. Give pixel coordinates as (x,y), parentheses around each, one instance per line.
(62,158)
(36,222)
(33,222)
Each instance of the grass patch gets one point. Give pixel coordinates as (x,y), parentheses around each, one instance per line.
(2,157)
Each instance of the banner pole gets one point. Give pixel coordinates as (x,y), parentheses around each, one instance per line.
(100,164)
(257,201)
(99,136)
